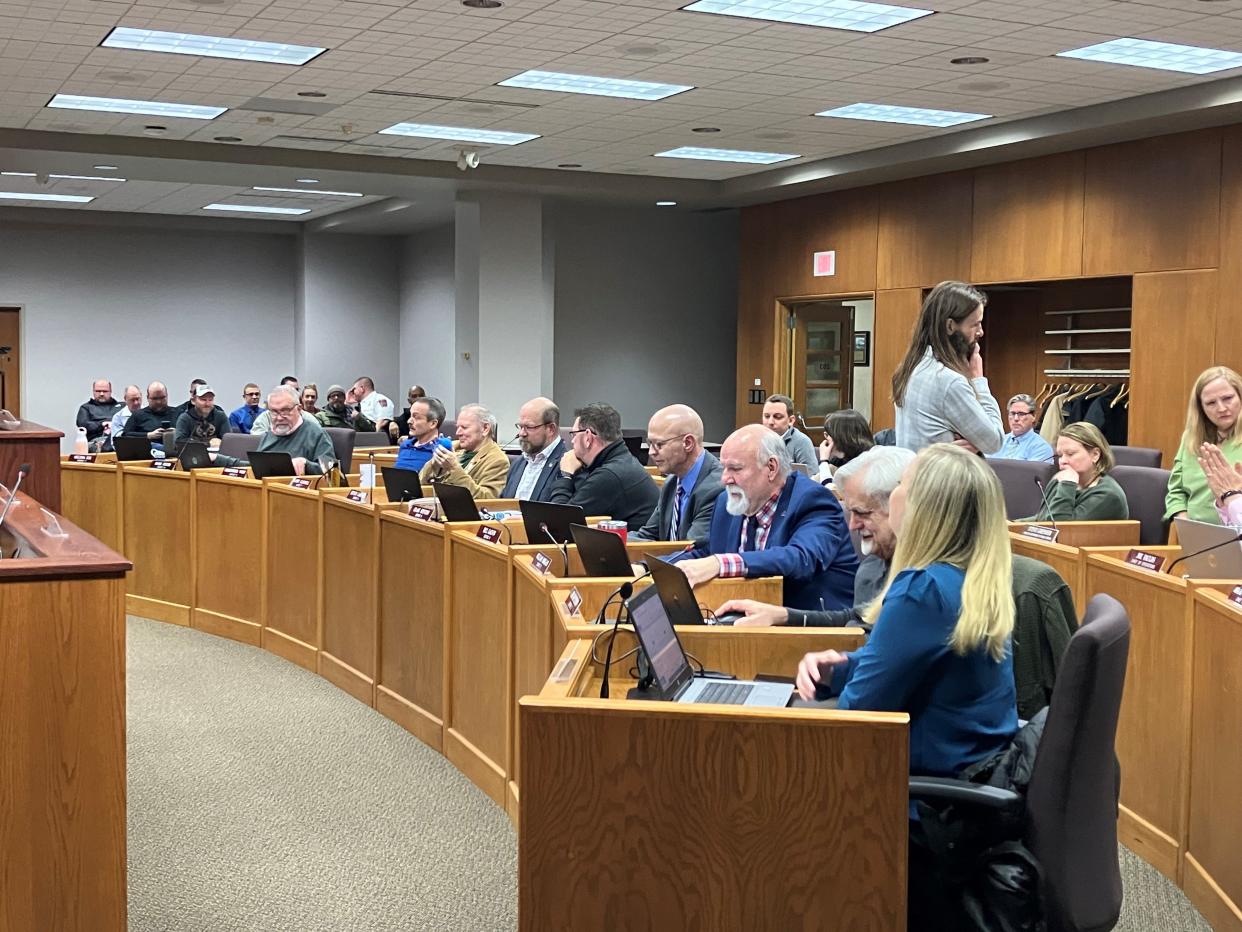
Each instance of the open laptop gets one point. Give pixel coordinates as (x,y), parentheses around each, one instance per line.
(671,669)
(557,518)
(678,598)
(456,503)
(602,552)
(130,449)
(271,463)
(402,485)
(193,455)
(1223,562)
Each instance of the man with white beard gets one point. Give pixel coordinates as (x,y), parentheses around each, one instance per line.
(865,484)
(291,432)
(772,521)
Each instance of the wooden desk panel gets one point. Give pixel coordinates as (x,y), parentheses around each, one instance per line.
(157,525)
(1212,865)
(228,556)
(90,497)
(40,447)
(349,655)
(292,571)
(1088,533)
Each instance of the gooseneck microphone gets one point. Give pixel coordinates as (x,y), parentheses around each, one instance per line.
(1187,556)
(625,590)
(561,546)
(1043,499)
(22,471)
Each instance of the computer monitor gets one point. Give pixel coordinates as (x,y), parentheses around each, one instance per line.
(602,552)
(130,449)
(544,519)
(402,485)
(194,455)
(456,503)
(271,463)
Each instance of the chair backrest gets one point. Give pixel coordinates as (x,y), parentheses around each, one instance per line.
(1145,488)
(449,429)
(1043,624)
(371,438)
(1022,496)
(886,437)
(1138,456)
(239,444)
(343,446)
(1072,797)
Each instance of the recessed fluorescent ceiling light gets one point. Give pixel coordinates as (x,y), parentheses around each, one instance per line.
(600,87)
(64,198)
(833,14)
(258,209)
(883,113)
(725,155)
(155,107)
(64,177)
(311,191)
(459,133)
(1167,56)
(182,43)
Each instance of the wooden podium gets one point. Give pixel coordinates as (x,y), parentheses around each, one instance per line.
(62,726)
(40,447)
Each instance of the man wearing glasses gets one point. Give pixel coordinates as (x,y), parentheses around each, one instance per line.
(1023,441)
(291,432)
(688,498)
(539,435)
(243,418)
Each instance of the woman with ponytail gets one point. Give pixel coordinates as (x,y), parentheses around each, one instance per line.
(940,647)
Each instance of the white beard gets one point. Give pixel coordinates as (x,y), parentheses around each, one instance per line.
(866,545)
(738,503)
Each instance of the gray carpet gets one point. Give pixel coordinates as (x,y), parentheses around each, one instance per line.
(263,798)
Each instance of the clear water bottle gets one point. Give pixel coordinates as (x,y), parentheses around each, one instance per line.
(79,442)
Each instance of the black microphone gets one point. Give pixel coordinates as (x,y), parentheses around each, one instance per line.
(625,590)
(1043,500)
(1185,556)
(22,471)
(562,546)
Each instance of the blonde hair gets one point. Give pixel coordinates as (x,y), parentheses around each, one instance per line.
(1199,428)
(1089,436)
(951,483)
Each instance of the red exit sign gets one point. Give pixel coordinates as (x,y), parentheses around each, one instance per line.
(824,263)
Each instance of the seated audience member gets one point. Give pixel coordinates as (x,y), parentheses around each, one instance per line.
(133,401)
(846,435)
(292,432)
(778,416)
(692,485)
(1211,417)
(771,520)
(204,422)
(155,418)
(940,649)
(1225,481)
(337,412)
(426,416)
(475,462)
(1083,490)
(599,474)
(865,484)
(292,382)
(376,408)
(263,423)
(539,435)
(310,398)
(242,419)
(399,427)
(1023,441)
(95,416)
(189,402)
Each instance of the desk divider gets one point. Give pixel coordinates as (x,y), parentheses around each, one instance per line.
(1065,554)
(158,527)
(292,570)
(230,540)
(90,497)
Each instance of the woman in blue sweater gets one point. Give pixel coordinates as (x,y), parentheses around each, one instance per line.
(940,648)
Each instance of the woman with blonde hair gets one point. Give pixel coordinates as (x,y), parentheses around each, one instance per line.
(1211,419)
(1083,490)
(940,647)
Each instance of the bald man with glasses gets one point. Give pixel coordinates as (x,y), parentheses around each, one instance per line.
(1023,441)
(692,477)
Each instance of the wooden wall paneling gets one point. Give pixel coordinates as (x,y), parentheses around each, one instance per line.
(1153,204)
(924,231)
(895,315)
(1229,312)
(1174,321)
(1012,345)
(1028,219)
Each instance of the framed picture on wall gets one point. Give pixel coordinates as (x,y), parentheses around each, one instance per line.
(862,347)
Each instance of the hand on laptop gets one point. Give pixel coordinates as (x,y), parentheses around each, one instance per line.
(299,465)
(811,670)
(700,571)
(756,614)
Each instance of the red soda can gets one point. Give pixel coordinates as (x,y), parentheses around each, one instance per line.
(620,528)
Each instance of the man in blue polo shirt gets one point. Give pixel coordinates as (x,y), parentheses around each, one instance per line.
(426,416)
(1023,441)
(243,418)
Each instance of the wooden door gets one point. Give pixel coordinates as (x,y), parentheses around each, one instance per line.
(823,341)
(10,360)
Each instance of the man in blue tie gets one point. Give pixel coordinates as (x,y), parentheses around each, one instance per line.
(692,484)
(773,521)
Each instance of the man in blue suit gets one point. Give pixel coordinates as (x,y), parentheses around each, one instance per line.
(539,435)
(772,521)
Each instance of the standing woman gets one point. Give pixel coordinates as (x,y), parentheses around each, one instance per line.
(1083,490)
(1211,417)
(939,390)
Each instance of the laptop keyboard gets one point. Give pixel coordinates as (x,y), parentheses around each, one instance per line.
(724,693)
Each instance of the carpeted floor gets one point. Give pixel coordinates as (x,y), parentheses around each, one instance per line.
(263,798)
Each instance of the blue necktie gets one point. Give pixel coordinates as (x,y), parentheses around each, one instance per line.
(752,532)
(679,500)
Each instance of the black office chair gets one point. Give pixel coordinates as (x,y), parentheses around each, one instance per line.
(343,446)
(1145,488)
(1069,813)
(371,438)
(239,445)
(1138,456)
(1017,477)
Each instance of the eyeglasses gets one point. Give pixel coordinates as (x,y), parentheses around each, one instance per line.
(1021,413)
(520,427)
(658,445)
(580,430)
(281,412)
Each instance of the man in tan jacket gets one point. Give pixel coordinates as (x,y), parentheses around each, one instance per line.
(476,461)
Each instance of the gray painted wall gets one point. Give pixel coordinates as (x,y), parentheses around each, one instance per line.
(427,308)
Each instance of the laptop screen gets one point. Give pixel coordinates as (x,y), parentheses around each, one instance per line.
(655,633)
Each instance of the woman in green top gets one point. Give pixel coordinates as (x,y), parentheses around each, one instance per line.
(1083,490)
(1212,417)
